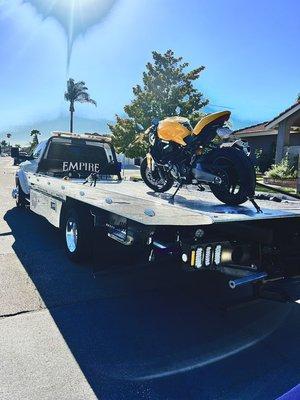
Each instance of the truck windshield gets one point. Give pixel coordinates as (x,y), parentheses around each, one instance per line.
(77,158)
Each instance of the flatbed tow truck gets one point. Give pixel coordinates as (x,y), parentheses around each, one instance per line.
(74,181)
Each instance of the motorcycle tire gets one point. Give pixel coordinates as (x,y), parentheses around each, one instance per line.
(149,178)
(237,173)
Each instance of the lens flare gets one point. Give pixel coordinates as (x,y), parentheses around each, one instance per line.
(75,16)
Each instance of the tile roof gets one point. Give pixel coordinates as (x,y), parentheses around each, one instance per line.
(267,125)
(284,112)
(253,128)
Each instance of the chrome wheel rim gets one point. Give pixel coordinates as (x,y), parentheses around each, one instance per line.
(71,235)
(159,183)
(227,172)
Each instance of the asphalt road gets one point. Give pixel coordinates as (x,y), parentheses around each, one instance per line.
(129,331)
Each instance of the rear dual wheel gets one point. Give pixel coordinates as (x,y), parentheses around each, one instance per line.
(77,233)
(82,241)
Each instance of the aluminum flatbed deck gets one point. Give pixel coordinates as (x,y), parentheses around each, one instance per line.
(135,201)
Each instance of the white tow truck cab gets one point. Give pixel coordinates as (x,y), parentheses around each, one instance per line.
(74,181)
(68,154)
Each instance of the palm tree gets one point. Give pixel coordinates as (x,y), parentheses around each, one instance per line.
(3,143)
(35,132)
(35,140)
(77,91)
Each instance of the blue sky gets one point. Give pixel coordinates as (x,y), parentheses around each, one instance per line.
(251,51)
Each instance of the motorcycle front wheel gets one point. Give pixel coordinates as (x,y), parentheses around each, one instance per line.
(156,179)
(237,173)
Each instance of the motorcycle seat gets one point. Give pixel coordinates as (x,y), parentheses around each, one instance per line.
(222,116)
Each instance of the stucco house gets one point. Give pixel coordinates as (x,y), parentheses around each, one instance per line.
(277,137)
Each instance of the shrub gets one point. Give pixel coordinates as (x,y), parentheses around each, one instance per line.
(283,170)
(264,160)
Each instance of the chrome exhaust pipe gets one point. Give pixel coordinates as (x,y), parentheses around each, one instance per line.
(247,279)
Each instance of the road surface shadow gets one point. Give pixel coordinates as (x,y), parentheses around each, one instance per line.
(155,332)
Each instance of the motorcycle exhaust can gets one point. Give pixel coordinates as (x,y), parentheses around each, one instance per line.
(204,176)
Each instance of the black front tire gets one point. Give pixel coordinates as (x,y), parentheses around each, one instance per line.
(145,173)
(77,230)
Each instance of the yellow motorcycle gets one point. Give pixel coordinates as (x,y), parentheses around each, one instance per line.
(186,155)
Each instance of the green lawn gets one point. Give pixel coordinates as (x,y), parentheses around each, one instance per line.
(259,179)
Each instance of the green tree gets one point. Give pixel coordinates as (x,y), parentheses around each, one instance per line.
(35,140)
(77,91)
(4,143)
(167,89)
(298,98)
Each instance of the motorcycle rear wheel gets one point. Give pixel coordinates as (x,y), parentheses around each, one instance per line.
(237,173)
(153,180)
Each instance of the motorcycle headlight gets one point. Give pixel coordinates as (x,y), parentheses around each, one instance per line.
(224,132)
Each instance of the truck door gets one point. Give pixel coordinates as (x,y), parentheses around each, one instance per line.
(30,166)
